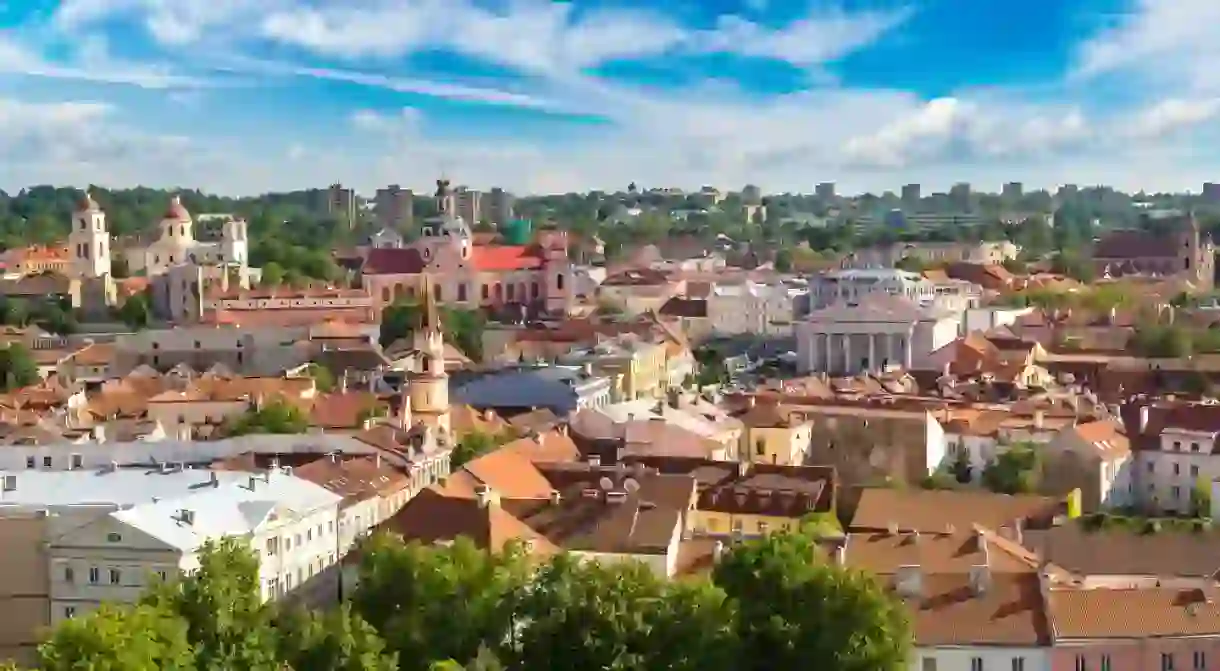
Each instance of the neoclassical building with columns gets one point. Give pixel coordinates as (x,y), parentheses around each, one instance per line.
(874,333)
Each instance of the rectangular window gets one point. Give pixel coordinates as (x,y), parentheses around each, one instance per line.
(115,576)
(976,664)
(69,611)
(114,538)
(1166,661)
(1018,664)
(69,574)
(929,664)
(78,461)
(163,575)
(1194,471)
(1151,467)
(30,462)
(1200,659)
(46,462)
(95,575)
(1081,664)
(1105,663)
(271,546)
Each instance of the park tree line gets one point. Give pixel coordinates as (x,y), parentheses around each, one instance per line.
(770,603)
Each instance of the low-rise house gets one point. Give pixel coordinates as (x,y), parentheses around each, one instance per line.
(775,434)
(638,368)
(1093,457)
(690,412)
(612,442)
(106,535)
(1175,449)
(754,308)
(870,445)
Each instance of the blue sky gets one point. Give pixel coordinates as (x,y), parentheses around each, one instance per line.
(242,96)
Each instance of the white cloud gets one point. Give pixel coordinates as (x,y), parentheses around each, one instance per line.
(710,133)
(1170,41)
(90,62)
(1170,116)
(815,39)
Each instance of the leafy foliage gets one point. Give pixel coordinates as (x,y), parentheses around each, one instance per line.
(214,620)
(274,417)
(136,311)
(1015,471)
(795,608)
(473,445)
(463,328)
(17,367)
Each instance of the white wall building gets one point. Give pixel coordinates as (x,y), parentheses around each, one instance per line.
(753,307)
(112,533)
(871,334)
(855,284)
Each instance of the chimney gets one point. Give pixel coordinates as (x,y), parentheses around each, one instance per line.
(486,497)
(212,479)
(556,497)
(187,516)
(717,551)
(267,475)
(750,402)
(10,483)
(1143,418)
(908,581)
(594,460)
(743,469)
(334,457)
(1039,419)
(377,460)
(980,579)
(253,482)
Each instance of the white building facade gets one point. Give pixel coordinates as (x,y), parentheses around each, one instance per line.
(753,307)
(871,335)
(858,283)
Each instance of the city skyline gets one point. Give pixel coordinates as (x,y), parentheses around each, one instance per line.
(241,97)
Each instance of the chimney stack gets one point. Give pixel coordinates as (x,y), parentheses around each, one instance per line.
(486,496)
(908,581)
(556,497)
(980,579)
(1039,419)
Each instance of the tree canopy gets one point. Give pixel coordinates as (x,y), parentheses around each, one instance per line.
(273,417)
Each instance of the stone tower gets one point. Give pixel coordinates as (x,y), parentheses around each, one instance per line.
(89,240)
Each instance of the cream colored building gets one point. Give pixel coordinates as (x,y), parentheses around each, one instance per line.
(107,536)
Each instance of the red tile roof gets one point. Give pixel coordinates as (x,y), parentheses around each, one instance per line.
(505,257)
(391,261)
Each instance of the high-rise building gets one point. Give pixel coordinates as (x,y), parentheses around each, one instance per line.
(1012,191)
(825,191)
(498,206)
(959,195)
(341,203)
(469,204)
(910,194)
(393,208)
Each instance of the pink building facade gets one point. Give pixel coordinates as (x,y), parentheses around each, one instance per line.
(464,274)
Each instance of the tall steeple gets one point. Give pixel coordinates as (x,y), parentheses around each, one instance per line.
(427,388)
(446,200)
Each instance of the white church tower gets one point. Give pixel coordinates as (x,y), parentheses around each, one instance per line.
(89,240)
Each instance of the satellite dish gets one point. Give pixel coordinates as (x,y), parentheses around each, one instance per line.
(606,484)
(631,486)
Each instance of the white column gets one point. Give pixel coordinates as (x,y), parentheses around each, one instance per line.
(906,349)
(872,352)
(849,366)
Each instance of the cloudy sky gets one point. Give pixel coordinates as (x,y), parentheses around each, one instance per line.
(244,96)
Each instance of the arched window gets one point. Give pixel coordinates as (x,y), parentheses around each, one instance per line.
(559,281)
(385,294)
(436,293)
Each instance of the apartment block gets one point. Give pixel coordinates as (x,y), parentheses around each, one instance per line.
(392,207)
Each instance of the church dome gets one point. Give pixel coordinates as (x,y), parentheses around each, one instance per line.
(176,211)
(87,204)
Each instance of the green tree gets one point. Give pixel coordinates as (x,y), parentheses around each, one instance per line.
(273,275)
(273,417)
(136,311)
(323,378)
(119,268)
(796,610)
(439,603)
(1017,470)
(335,640)
(472,445)
(17,367)
(222,607)
(587,615)
(911,264)
(783,260)
(119,638)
